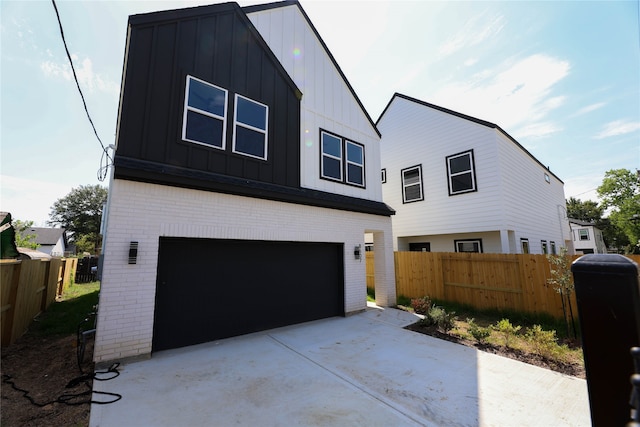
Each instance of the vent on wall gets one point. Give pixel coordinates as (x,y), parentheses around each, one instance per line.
(133,252)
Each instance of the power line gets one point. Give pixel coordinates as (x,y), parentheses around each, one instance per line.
(102,170)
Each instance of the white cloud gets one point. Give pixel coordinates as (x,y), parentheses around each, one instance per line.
(88,79)
(588,109)
(537,130)
(475,31)
(511,95)
(617,127)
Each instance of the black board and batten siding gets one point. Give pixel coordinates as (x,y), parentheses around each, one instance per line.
(218,45)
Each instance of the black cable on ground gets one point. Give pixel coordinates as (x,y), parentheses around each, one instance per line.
(74,399)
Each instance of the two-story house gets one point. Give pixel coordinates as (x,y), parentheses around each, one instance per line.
(246,174)
(587,238)
(461,184)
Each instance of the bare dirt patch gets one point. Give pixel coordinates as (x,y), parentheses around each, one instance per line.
(43,366)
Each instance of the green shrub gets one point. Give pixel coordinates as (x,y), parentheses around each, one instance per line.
(479,333)
(421,305)
(507,330)
(543,342)
(441,319)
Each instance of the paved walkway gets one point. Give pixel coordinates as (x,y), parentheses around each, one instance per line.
(363,370)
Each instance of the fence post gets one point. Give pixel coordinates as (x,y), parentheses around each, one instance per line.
(609,311)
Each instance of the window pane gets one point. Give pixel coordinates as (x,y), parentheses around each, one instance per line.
(251,113)
(331,168)
(460,164)
(354,153)
(412,192)
(411,176)
(331,145)
(206,98)
(250,142)
(468,247)
(354,174)
(204,129)
(461,182)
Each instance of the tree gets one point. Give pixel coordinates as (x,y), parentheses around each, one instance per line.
(23,239)
(80,213)
(584,211)
(620,191)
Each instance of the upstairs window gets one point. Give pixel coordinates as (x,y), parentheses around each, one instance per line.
(250,128)
(341,160)
(412,184)
(205,112)
(461,173)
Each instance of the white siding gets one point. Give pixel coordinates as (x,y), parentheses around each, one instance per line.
(327,103)
(144,212)
(512,197)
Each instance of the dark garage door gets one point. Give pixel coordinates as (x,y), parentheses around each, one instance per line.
(209,289)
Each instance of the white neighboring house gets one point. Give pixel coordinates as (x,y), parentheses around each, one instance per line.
(52,241)
(461,184)
(587,238)
(246,173)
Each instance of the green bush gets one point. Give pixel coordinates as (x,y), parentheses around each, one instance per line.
(543,342)
(507,330)
(479,333)
(440,318)
(421,305)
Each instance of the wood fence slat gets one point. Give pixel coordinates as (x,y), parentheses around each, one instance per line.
(502,281)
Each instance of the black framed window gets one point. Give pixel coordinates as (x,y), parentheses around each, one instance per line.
(470,245)
(545,247)
(250,126)
(341,159)
(205,112)
(383,175)
(553,248)
(461,173)
(412,184)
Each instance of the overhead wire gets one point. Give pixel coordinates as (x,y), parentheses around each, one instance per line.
(102,171)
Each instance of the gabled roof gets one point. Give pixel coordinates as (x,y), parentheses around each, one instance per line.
(46,236)
(154,18)
(582,223)
(268,6)
(469,118)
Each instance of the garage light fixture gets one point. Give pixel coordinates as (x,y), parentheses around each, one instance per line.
(357,251)
(133,252)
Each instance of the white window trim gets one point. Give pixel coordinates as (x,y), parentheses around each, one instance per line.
(348,162)
(404,186)
(524,241)
(264,131)
(478,241)
(187,108)
(470,170)
(586,230)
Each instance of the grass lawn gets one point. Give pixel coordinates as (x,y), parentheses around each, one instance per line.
(63,316)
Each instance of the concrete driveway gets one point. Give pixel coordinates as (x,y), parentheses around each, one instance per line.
(360,370)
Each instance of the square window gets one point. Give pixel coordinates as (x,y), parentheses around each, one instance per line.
(250,128)
(471,245)
(461,173)
(412,184)
(204,119)
(341,160)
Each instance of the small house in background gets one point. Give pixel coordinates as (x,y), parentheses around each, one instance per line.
(461,184)
(587,238)
(51,241)
(246,174)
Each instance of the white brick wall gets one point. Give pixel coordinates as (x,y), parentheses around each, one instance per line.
(144,212)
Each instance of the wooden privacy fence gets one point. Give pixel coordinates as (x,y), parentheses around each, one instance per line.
(27,288)
(498,281)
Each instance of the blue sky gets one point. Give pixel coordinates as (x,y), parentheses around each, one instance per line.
(563,78)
